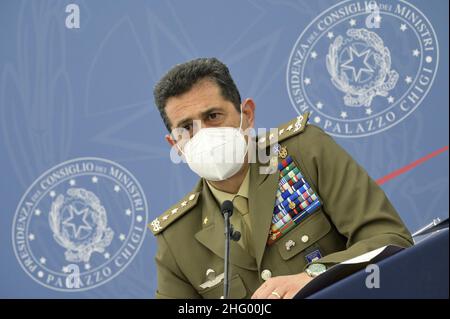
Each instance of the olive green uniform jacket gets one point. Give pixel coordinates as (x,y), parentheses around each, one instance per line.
(355,217)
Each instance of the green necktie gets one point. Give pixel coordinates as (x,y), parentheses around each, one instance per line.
(241,222)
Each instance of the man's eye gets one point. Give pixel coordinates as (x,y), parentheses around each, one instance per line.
(213,116)
(187,127)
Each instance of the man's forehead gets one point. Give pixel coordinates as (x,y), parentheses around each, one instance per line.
(198,95)
(194,103)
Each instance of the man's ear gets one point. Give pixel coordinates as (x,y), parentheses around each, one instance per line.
(172,143)
(248,108)
(169,139)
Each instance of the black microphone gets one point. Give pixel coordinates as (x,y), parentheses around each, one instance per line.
(227,207)
(227,210)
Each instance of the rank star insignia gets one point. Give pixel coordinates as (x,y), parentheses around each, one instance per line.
(205,221)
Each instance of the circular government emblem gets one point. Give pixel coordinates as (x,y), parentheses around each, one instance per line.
(79,224)
(363,66)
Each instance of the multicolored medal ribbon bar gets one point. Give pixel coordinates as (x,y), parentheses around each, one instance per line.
(295,199)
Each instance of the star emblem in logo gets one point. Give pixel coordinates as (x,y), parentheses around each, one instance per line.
(78,220)
(358,59)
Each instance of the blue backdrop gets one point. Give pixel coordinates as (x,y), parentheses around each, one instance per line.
(79,129)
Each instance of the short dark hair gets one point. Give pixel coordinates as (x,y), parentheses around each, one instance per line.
(182,77)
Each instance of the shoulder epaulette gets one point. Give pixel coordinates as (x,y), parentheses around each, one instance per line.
(173,213)
(285,131)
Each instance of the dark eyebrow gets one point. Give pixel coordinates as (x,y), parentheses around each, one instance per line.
(211,110)
(203,115)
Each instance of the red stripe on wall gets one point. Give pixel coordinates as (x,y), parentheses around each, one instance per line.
(410,166)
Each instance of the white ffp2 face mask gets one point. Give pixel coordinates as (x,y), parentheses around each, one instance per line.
(216,153)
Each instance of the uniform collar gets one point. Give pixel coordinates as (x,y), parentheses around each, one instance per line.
(212,233)
(261,197)
(222,196)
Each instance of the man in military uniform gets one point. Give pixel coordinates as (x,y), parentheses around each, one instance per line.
(318,207)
